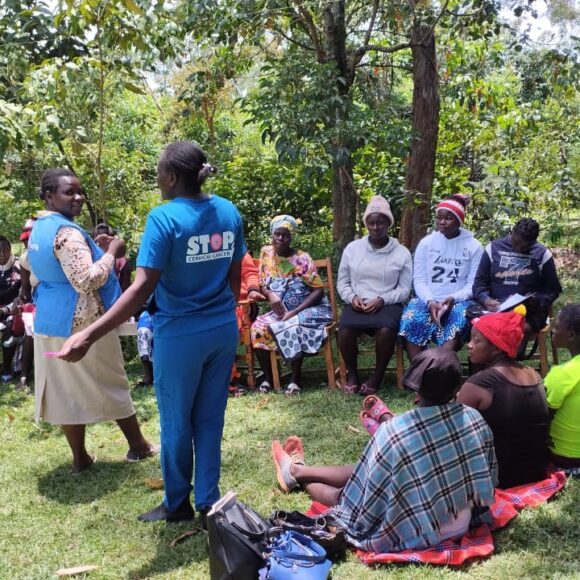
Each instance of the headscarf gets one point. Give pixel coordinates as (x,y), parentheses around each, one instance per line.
(435,374)
(284,221)
(378,204)
(455,204)
(503,329)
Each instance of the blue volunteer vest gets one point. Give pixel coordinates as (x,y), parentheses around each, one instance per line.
(54,296)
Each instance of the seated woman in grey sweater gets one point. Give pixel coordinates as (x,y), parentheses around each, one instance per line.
(374,279)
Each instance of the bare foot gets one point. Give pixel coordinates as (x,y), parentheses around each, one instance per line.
(142,452)
(83,465)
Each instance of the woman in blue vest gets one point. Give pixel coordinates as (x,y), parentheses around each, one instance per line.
(191,255)
(77,284)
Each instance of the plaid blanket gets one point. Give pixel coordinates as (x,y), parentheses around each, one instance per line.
(416,474)
(478,542)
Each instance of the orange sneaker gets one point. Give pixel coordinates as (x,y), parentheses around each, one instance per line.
(283,463)
(293,446)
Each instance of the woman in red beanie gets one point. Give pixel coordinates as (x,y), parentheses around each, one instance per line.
(509,396)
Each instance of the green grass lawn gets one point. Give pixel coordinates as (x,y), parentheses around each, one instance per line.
(51,520)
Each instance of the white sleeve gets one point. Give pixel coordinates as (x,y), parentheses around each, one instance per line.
(343,280)
(420,274)
(403,288)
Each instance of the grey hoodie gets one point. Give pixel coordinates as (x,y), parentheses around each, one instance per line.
(368,273)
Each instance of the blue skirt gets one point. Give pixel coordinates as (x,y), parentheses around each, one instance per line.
(418,328)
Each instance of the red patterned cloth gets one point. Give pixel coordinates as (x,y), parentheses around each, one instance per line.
(478,542)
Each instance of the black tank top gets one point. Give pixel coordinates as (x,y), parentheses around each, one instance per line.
(518,418)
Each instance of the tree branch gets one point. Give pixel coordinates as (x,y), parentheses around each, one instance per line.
(384,49)
(293,40)
(430,32)
(305,18)
(386,65)
(372,22)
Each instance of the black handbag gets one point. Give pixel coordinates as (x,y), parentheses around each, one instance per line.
(237,537)
(323,529)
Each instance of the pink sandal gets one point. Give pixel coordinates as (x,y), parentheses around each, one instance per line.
(376,408)
(370,424)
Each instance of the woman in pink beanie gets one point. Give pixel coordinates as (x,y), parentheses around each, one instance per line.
(509,396)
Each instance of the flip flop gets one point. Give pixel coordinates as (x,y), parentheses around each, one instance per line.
(366,390)
(376,408)
(370,424)
(350,389)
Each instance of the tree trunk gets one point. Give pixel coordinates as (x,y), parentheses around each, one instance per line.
(344,201)
(425,124)
(344,194)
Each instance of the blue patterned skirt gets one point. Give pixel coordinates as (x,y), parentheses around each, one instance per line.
(418,328)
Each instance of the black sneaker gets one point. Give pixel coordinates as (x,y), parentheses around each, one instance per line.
(161,513)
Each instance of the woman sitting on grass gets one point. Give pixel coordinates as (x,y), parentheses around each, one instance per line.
(422,477)
(509,396)
(563,387)
(300,310)
(374,279)
(444,268)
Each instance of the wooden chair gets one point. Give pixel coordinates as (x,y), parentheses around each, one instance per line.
(542,337)
(246,356)
(324,268)
(399,368)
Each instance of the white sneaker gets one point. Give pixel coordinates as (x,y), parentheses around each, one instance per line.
(292,389)
(265,387)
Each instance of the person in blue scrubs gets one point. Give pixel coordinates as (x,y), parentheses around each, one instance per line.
(191,254)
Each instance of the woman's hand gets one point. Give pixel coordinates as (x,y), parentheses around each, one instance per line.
(374,305)
(254,295)
(434,308)
(117,247)
(358,304)
(103,241)
(276,304)
(287,315)
(491,304)
(75,347)
(449,302)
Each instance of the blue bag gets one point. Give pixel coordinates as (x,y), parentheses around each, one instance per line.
(293,556)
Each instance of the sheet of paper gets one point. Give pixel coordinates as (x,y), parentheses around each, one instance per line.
(512,301)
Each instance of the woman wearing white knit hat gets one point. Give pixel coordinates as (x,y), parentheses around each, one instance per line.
(374,279)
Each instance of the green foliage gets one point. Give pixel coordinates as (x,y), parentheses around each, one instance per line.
(262,188)
(505,135)
(273,115)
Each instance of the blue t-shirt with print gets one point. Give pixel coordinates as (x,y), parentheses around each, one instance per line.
(193,243)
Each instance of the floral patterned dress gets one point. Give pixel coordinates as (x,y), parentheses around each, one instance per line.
(292,279)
